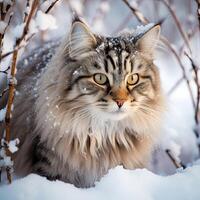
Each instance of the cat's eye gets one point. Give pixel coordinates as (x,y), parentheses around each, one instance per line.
(133,79)
(99,78)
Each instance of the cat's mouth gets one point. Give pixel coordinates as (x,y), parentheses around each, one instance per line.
(118,114)
(119,111)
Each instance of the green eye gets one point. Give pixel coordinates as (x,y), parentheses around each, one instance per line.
(133,79)
(101,79)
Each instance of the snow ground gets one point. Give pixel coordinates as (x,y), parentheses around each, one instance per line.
(119,184)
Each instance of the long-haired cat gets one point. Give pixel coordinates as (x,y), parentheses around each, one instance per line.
(96,105)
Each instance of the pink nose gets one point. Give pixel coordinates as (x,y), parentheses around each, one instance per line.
(120,102)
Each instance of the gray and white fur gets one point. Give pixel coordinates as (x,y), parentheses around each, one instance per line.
(96,105)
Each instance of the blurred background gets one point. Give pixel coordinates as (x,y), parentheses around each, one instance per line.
(180,35)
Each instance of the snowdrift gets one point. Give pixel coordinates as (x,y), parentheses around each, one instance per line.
(118,184)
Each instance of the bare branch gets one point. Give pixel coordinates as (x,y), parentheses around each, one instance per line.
(198,11)
(178,82)
(177,22)
(5,71)
(140,17)
(12,83)
(196,79)
(51,6)
(190,35)
(18,48)
(100,13)
(2,18)
(174,161)
(123,24)
(173,50)
(4,91)
(26,13)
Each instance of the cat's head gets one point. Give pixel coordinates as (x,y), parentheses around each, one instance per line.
(112,77)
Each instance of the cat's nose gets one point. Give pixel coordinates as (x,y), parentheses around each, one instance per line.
(120,102)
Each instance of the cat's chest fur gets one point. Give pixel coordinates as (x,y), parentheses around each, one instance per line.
(67,162)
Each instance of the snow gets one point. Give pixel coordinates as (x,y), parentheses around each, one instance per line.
(12,145)
(75,72)
(168,142)
(5,160)
(134,4)
(119,184)
(18,30)
(105,6)
(77,5)
(7,2)
(2,114)
(45,21)
(141,29)
(32,27)
(2,26)
(12,80)
(175,150)
(98,26)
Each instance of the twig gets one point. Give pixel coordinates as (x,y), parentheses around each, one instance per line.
(12,81)
(196,79)
(7,54)
(190,35)
(173,50)
(4,91)
(140,17)
(26,13)
(198,11)
(123,24)
(178,82)
(51,6)
(18,48)
(6,70)
(174,161)
(2,18)
(177,22)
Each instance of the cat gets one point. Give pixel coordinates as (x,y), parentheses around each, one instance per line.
(98,103)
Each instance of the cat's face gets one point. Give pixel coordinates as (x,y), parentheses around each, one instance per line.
(113,78)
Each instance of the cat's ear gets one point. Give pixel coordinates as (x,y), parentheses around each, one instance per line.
(82,40)
(149,40)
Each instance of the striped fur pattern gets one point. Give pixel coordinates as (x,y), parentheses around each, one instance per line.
(99,104)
